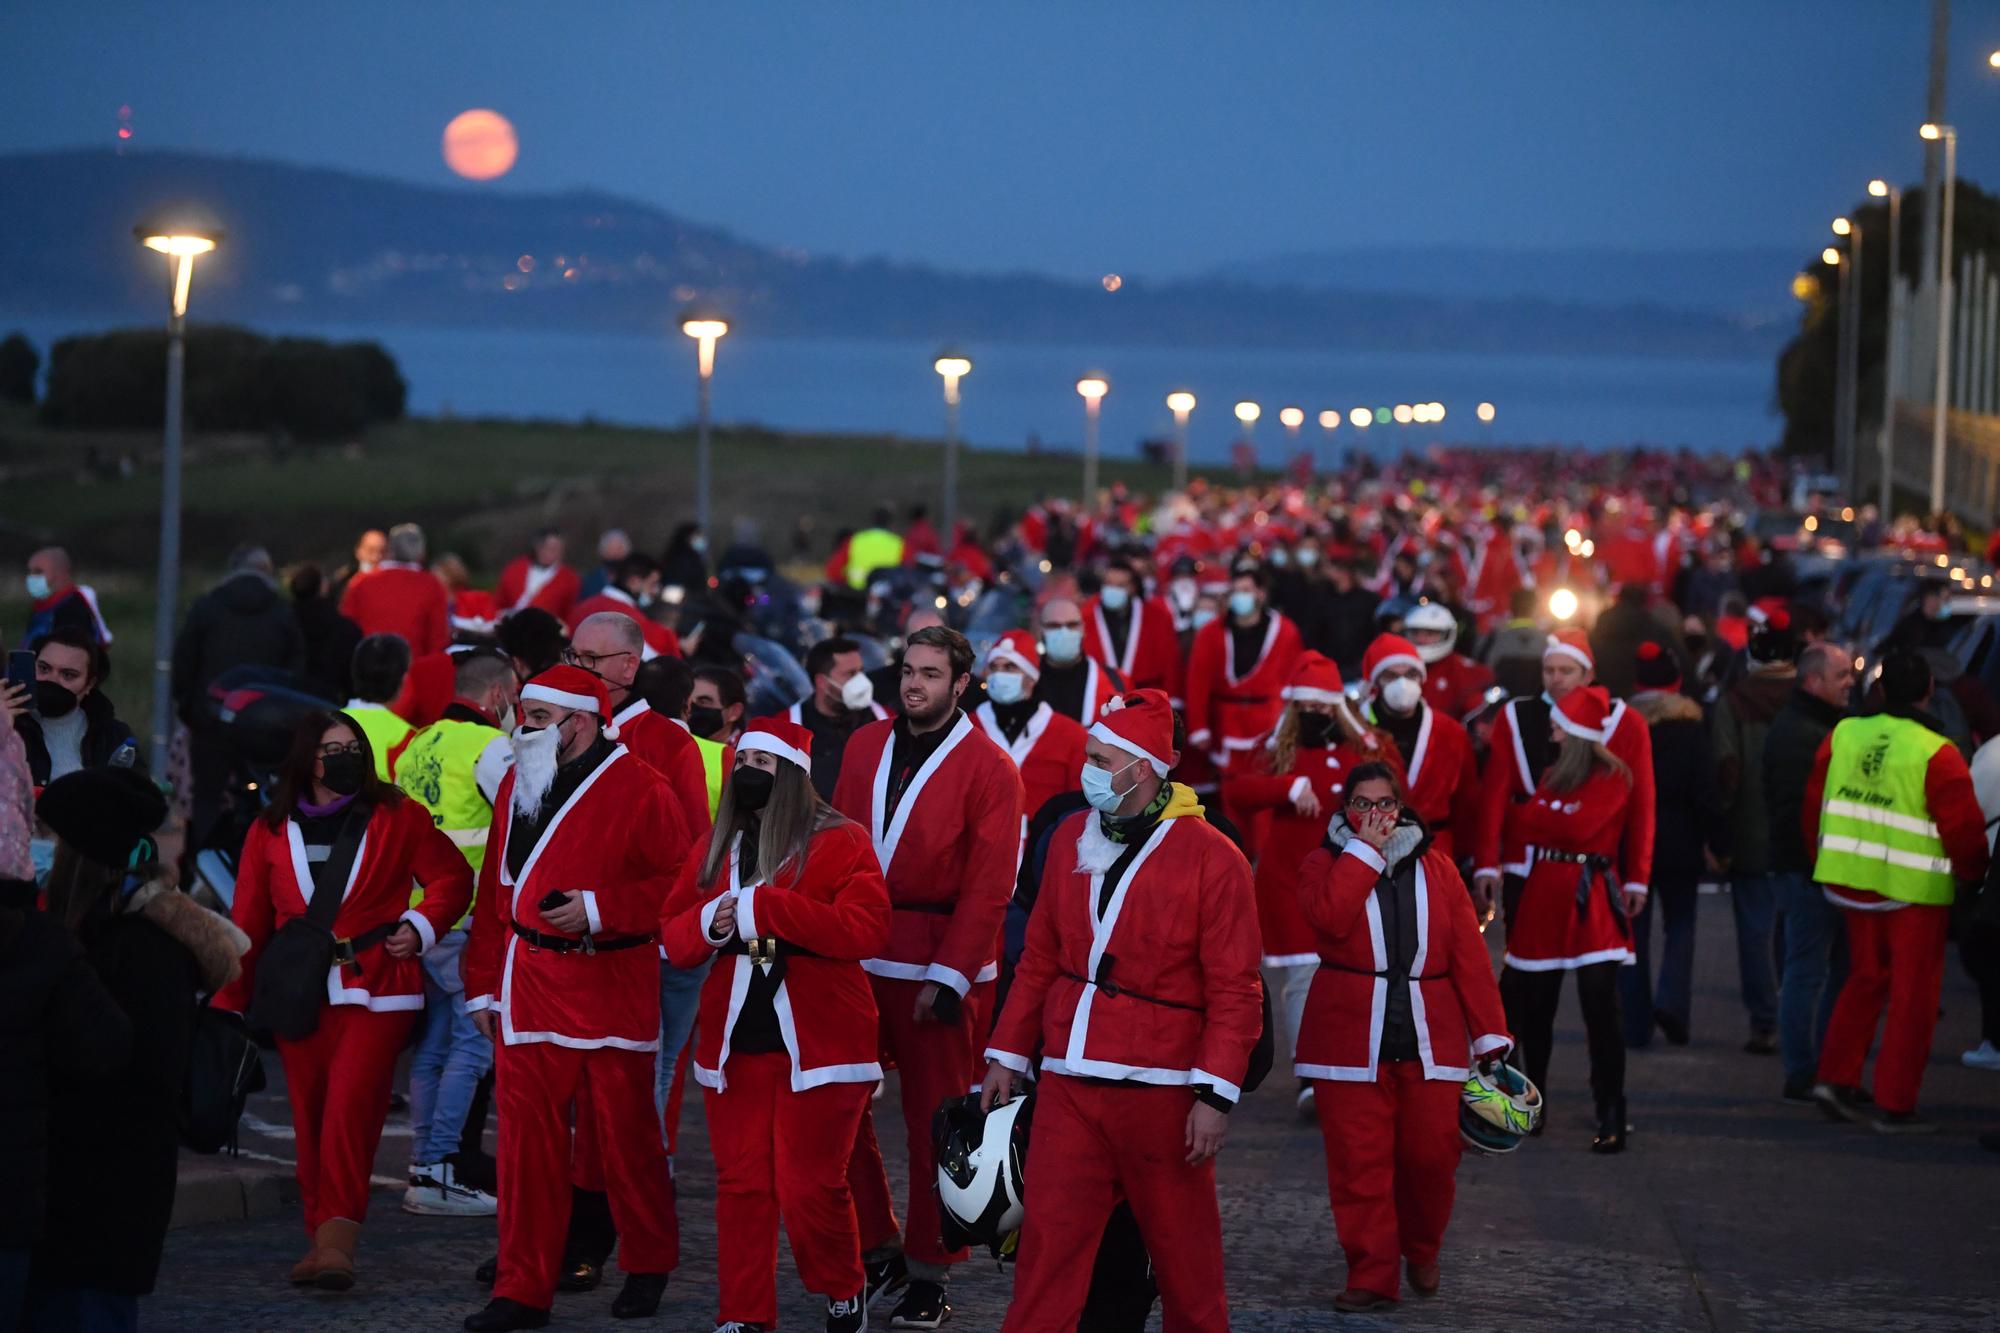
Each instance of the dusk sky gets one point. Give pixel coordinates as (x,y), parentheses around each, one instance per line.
(1150,137)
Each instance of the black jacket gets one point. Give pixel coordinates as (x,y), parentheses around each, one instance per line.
(57,1023)
(1340,625)
(1790,748)
(1686,803)
(330,640)
(103,737)
(241,621)
(1615,640)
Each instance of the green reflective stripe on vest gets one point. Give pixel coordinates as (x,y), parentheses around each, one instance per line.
(1875,827)
(711,766)
(384,730)
(437,771)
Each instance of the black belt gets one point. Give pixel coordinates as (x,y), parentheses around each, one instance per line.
(1595,867)
(765,948)
(346,952)
(1110,987)
(589,944)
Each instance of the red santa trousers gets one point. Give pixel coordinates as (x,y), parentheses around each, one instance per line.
(782,1153)
(1096,1143)
(933,1060)
(1895,961)
(535,1086)
(338,1081)
(587,1165)
(1392,1150)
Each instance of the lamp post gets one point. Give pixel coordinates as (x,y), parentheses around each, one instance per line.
(1881,189)
(953,366)
(1847,391)
(180,237)
(1942,389)
(1291,418)
(1329,422)
(1247,413)
(706,328)
(1093,388)
(1180,403)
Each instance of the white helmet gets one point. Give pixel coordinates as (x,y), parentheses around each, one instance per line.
(1433,617)
(981,1169)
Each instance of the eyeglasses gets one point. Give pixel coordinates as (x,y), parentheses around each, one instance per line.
(330,751)
(1361,804)
(590,661)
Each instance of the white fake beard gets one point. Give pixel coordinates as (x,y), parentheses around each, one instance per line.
(535,761)
(1096,853)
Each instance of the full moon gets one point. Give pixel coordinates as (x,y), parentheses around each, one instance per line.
(480,145)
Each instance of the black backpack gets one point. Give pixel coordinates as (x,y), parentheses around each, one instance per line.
(224,1067)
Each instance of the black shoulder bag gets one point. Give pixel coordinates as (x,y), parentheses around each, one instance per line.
(291,973)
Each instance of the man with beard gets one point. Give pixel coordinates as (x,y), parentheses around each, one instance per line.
(565,979)
(943,806)
(842,701)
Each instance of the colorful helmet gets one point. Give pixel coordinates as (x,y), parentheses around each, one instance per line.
(982,1159)
(1497,1109)
(1433,618)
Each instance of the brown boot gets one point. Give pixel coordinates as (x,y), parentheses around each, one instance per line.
(336,1240)
(306,1271)
(1424,1278)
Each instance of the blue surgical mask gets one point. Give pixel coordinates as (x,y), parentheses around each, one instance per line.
(1202,617)
(38,586)
(1242,604)
(1062,645)
(1099,787)
(1115,599)
(1006,687)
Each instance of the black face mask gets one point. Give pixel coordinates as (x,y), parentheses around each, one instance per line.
(52,700)
(753,788)
(705,722)
(1315,730)
(343,774)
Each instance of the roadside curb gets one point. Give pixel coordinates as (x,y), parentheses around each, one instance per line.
(208,1194)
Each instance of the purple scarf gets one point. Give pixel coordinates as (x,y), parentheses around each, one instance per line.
(311,811)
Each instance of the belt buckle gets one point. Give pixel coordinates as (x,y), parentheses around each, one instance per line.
(343,952)
(763,950)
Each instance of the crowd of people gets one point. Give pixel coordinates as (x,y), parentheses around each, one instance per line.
(1248,775)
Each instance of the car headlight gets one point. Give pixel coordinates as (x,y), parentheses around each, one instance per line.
(1562,604)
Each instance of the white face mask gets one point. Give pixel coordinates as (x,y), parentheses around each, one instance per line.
(1006,687)
(1115,599)
(1184,592)
(858,692)
(1062,645)
(1402,694)
(537,754)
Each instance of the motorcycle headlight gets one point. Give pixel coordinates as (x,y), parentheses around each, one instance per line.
(1562,604)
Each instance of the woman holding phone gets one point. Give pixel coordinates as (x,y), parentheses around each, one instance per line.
(333,827)
(786,1048)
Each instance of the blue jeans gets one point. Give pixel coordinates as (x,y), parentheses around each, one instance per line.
(81,1310)
(450,1060)
(680,996)
(1815,968)
(1638,997)
(1754,901)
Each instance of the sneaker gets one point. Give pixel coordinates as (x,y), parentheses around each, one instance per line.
(436,1191)
(1983,1056)
(1903,1122)
(885,1276)
(923,1306)
(1308,1103)
(738,1326)
(1839,1103)
(848,1316)
(1798,1091)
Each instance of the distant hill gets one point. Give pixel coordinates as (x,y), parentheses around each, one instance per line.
(310,246)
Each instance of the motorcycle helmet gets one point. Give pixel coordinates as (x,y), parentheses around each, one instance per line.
(1424,619)
(1497,1108)
(982,1161)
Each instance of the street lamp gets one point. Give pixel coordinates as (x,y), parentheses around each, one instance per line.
(1247,413)
(179,235)
(953,366)
(1933,131)
(1485,413)
(1881,189)
(1093,388)
(1847,391)
(1329,422)
(1180,403)
(706,328)
(1291,418)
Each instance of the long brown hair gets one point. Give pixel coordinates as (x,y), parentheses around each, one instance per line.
(1285,740)
(789,819)
(295,775)
(1577,760)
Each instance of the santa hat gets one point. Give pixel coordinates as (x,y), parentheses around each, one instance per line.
(575,689)
(1390,650)
(1655,668)
(1315,680)
(1583,712)
(1140,723)
(779,736)
(1771,638)
(1771,612)
(1573,644)
(1017,646)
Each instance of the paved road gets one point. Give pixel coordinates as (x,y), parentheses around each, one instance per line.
(1731,1211)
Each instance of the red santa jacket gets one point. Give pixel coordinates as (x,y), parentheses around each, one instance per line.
(1232,705)
(836,909)
(668,748)
(660,641)
(1048,753)
(1550,930)
(274,884)
(620,839)
(1152,656)
(556,596)
(428,689)
(948,853)
(1456,685)
(400,599)
(1441,779)
(1288,937)
(1180,927)
(1507,783)
(1454,1001)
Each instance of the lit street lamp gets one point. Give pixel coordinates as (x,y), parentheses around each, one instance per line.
(953,366)
(180,236)
(1847,393)
(1291,418)
(1093,388)
(705,328)
(1881,189)
(1329,422)
(1180,403)
(1932,131)
(1485,413)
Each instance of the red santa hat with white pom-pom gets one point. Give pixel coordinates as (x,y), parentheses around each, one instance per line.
(575,689)
(1140,723)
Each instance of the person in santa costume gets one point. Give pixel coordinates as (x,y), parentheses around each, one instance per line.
(634,587)
(942,805)
(1236,671)
(1454,684)
(1297,780)
(791,892)
(1433,751)
(1045,746)
(1074,682)
(338,1075)
(539,579)
(1139,989)
(1133,632)
(1402,1007)
(566,979)
(1521,747)
(1575,908)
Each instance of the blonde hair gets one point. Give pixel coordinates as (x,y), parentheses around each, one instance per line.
(1577,760)
(1285,740)
(790,818)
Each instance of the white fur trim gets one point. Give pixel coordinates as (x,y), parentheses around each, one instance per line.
(1311,696)
(1398,660)
(763,742)
(1004,652)
(582,703)
(1557,648)
(1113,739)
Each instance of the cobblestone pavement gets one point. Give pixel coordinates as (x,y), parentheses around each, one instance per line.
(1731,1211)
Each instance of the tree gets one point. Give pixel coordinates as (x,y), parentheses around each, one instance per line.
(18,363)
